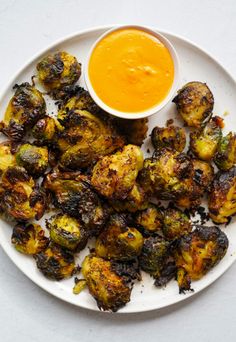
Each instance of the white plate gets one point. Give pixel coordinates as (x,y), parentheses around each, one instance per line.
(195,65)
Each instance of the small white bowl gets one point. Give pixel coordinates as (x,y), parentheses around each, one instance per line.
(152,110)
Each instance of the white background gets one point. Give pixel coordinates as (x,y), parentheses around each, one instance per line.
(29,314)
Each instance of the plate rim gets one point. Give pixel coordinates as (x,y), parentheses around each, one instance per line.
(3,92)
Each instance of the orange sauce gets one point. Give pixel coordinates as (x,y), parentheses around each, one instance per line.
(131,70)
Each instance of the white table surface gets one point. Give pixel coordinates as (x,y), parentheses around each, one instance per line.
(29,314)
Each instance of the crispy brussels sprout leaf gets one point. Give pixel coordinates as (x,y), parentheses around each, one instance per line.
(25,108)
(115,175)
(29,238)
(118,241)
(80,285)
(194,103)
(56,262)
(197,253)
(108,289)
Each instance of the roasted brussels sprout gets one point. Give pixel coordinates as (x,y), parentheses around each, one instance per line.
(7,159)
(73,195)
(25,108)
(204,142)
(203,174)
(58,70)
(118,241)
(154,255)
(172,137)
(80,284)
(150,219)
(29,238)
(168,174)
(81,100)
(21,199)
(134,131)
(225,157)
(135,200)
(45,129)
(34,159)
(56,262)
(108,289)
(114,175)
(221,200)
(194,103)
(197,253)
(175,223)
(67,232)
(85,139)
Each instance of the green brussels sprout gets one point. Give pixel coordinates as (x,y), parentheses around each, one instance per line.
(167,174)
(175,223)
(79,286)
(85,139)
(56,262)
(225,157)
(194,103)
(221,200)
(154,255)
(118,241)
(57,71)
(72,193)
(21,199)
(115,175)
(204,142)
(33,158)
(29,238)
(150,219)
(25,108)
(108,288)
(67,232)
(7,159)
(197,253)
(45,129)
(172,137)
(135,200)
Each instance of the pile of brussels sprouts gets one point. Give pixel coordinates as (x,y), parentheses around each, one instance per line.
(88,168)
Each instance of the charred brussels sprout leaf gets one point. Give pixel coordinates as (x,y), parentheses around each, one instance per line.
(197,253)
(86,138)
(150,220)
(221,201)
(29,238)
(57,71)
(168,174)
(73,195)
(67,232)
(118,241)
(204,142)
(114,175)
(225,157)
(25,108)
(56,263)
(21,199)
(172,137)
(175,223)
(34,159)
(7,159)
(194,103)
(108,288)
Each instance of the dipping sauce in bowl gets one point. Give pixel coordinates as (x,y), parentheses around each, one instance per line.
(130,71)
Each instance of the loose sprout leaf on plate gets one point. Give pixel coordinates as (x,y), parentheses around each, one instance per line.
(87,167)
